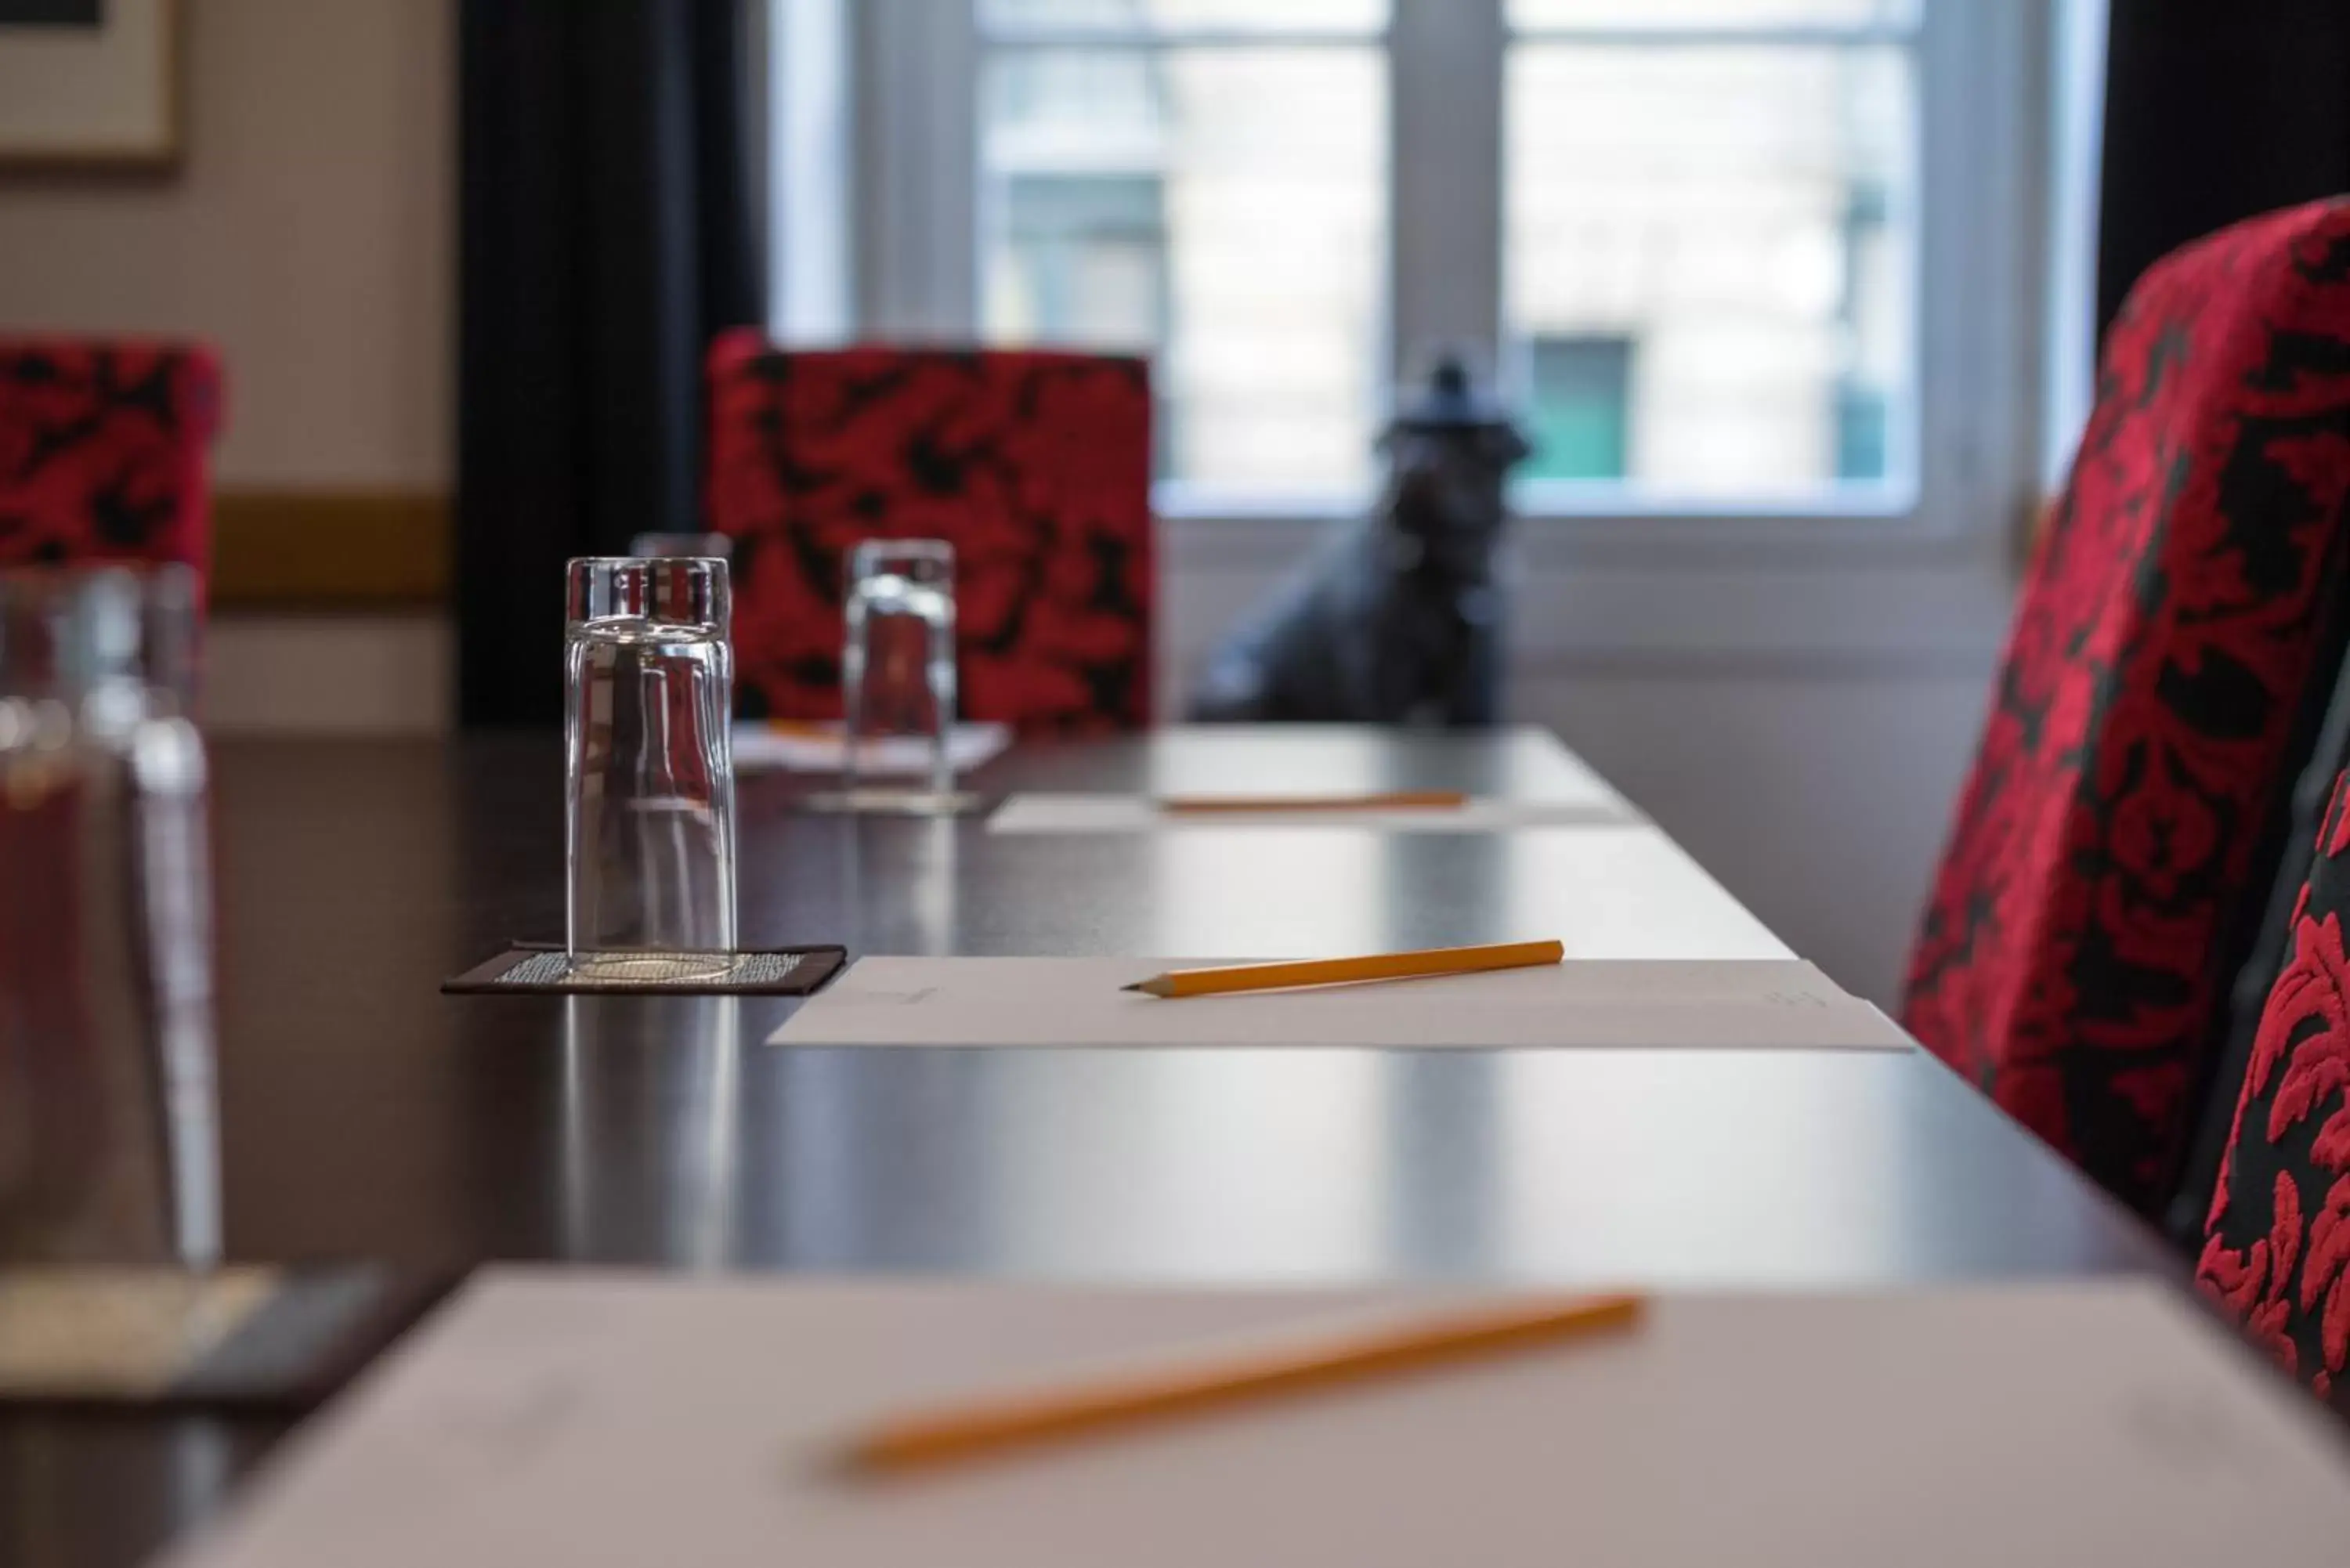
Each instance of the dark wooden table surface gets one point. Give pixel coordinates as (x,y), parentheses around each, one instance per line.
(364,1115)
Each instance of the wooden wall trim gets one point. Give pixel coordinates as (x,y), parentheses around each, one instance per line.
(330,549)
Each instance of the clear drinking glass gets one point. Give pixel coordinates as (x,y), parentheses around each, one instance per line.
(898,659)
(649,816)
(108,1130)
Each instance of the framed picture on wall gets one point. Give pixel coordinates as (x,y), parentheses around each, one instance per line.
(89,84)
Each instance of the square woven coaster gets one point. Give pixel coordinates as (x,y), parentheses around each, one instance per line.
(532,969)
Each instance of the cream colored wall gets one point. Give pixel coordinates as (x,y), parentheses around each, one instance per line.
(307,234)
(310,234)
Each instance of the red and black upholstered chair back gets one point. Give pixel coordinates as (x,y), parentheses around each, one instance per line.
(1036,468)
(103,450)
(2276,1248)
(2174,640)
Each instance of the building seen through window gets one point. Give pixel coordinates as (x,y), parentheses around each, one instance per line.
(1707,256)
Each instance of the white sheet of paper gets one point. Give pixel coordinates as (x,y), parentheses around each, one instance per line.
(822,749)
(1011,1001)
(598,1420)
(1073,813)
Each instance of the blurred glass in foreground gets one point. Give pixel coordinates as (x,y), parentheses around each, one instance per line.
(108,1125)
(648,818)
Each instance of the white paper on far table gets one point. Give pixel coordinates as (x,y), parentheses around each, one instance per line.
(760,747)
(597,1420)
(1041,813)
(1011,1001)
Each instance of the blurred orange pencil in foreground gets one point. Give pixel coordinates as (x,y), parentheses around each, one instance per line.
(1052,1415)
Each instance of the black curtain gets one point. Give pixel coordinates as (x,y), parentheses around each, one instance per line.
(606,231)
(2216,110)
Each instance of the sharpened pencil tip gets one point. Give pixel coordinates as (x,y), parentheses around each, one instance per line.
(1138,985)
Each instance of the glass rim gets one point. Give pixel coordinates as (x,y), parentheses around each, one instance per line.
(695,591)
(609,562)
(928,546)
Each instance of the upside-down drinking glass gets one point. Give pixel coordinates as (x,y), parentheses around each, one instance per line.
(898,658)
(108,1127)
(649,816)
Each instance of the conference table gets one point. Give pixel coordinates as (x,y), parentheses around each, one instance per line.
(363,1114)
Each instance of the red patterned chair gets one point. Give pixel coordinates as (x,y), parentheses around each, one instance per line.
(2174,642)
(103,448)
(2276,1248)
(1036,468)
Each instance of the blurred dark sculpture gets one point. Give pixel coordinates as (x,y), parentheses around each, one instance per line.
(1399,619)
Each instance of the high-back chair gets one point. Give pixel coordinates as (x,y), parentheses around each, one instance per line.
(2173,647)
(1035,467)
(2276,1246)
(103,450)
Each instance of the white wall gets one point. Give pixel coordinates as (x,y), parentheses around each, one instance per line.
(328,674)
(309,233)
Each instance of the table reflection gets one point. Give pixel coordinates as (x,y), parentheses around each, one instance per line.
(626,1121)
(1272,1165)
(367,1115)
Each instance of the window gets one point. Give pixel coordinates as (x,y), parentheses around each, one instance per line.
(1206,181)
(1686,238)
(1728,185)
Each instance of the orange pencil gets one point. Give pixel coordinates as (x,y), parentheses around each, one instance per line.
(1240,804)
(986,1429)
(1350,970)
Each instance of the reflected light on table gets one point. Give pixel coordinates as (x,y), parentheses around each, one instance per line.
(934,900)
(879,1159)
(1248,1165)
(1740,1165)
(1270,892)
(906,864)
(575,1137)
(696,1157)
(1623,892)
(704,1207)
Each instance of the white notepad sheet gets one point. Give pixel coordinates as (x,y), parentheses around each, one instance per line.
(1011,1001)
(598,1422)
(761,747)
(1074,812)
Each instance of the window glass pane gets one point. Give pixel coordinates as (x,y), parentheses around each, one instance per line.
(1230,15)
(1664,13)
(1579,397)
(1722,238)
(1223,206)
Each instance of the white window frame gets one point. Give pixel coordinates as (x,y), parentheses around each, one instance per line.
(1754,591)
(917,239)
